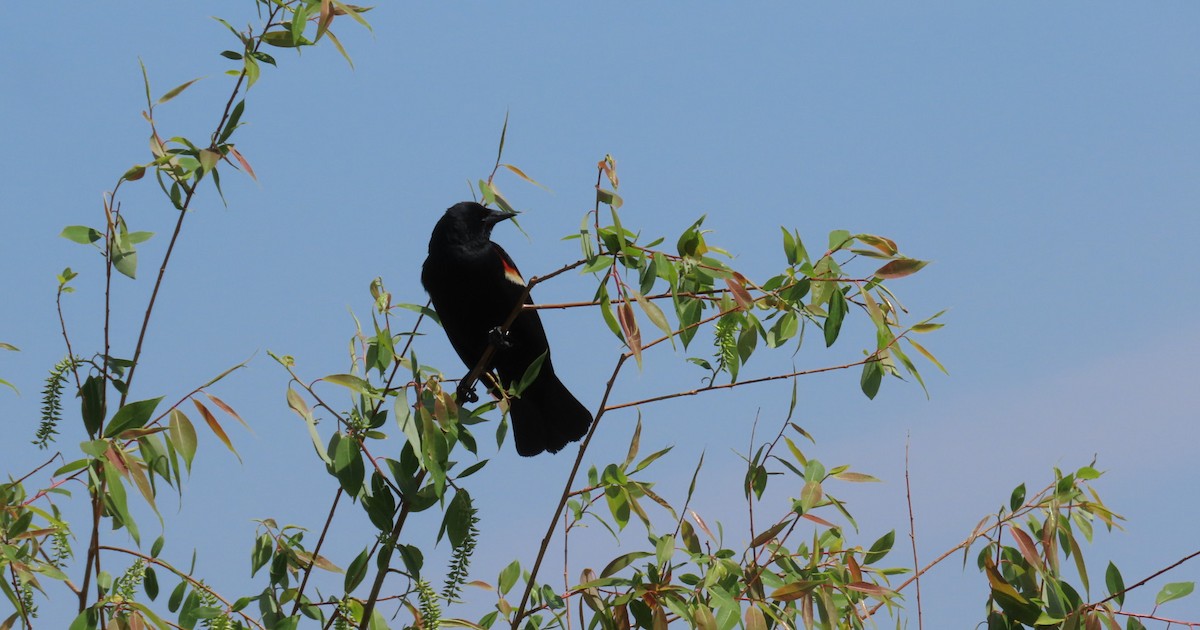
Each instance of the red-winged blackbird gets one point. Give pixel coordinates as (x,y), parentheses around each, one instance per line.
(475,286)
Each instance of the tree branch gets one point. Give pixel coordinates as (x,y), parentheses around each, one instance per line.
(191,580)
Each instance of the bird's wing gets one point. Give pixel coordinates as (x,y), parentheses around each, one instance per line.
(510,268)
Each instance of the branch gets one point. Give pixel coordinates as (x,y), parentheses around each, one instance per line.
(764,379)
(191,192)
(912,535)
(562,500)
(316,551)
(20,601)
(369,605)
(1029,505)
(70,353)
(1143,582)
(191,580)
(468,382)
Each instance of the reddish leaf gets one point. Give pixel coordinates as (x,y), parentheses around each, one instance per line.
(900,268)
(737,286)
(869,589)
(818,520)
(215,427)
(1026,546)
(629,326)
(882,243)
(246,165)
(227,409)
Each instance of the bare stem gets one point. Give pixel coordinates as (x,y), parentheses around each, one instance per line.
(316,551)
(912,534)
(1147,579)
(19,599)
(191,580)
(562,500)
(389,549)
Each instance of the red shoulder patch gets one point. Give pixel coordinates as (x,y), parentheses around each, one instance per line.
(510,268)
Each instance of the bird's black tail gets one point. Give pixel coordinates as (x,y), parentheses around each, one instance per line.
(546,417)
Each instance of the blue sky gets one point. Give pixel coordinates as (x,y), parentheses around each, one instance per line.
(1044,156)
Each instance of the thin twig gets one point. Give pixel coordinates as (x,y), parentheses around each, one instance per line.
(485,361)
(316,551)
(912,534)
(34,471)
(369,605)
(699,295)
(19,599)
(70,353)
(191,580)
(1167,620)
(701,390)
(562,501)
(566,570)
(191,192)
(1143,582)
(1000,521)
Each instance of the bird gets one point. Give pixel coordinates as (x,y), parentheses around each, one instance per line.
(475,286)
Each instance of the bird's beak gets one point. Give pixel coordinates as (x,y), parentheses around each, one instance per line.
(496,216)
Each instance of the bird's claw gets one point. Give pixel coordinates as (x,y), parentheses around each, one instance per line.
(499,338)
(467,393)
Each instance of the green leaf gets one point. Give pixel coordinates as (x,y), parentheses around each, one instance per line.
(839,239)
(183,436)
(284,39)
(531,373)
(509,575)
(81,234)
(175,91)
(765,537)
(132,416)
(880,548)
(350,382)
(1116,585)
(124,256)
(1174,590)
(92,404)
(357,570)
(87,620)
(458,518)
(1017,499)
(620,562)
(609,197)
(264,547)
(833,322)
(872,376)
(116,496)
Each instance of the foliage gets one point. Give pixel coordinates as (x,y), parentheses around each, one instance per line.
(806,563)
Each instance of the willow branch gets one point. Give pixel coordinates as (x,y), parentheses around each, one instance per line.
(191,580)
(562,500)
(389,549)
(316,551)
(1143,582)
(468,381)
(184,205)
(912,535)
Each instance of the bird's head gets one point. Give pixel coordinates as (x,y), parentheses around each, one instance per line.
(467,224)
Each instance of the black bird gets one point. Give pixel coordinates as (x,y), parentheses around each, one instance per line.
(475,286)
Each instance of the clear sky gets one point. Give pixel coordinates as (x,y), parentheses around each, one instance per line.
(1045,156)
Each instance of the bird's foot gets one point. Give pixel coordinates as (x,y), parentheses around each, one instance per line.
(467,394)
(499,338)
